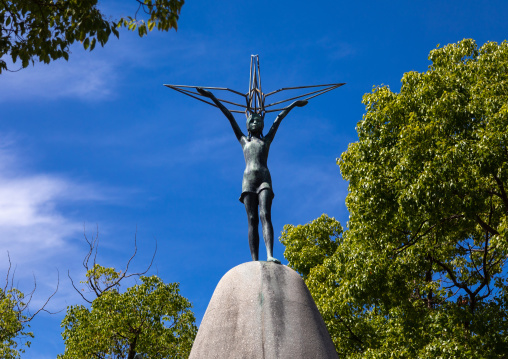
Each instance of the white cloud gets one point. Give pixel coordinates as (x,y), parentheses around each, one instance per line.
(28,201)
(85,76)
(42,240)
(100,74)
(32,228)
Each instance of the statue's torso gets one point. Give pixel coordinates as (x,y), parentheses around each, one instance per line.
(255,152)
(256,172)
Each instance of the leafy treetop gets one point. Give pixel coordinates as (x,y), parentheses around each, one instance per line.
(421,271)
(43,30)
(147,320)
(15,317)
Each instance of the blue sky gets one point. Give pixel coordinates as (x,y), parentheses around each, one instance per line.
(98,142)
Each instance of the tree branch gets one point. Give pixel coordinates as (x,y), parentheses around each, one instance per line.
(453,277)
(503,195)
(485,226)
(93,279)
(353,335)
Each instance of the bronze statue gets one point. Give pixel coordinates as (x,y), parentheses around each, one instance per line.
(257,183)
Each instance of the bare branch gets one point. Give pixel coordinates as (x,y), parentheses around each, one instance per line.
(43,308)
(76,289)
(20,303)
(93,280)
(149,266)
(135,251)
(8,272)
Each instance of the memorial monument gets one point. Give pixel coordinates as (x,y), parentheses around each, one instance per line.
(257,189)
(260,309)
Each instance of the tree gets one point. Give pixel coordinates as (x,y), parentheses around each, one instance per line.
(421,270)
(148,320)
(43,30)
(12,323)
(15,318)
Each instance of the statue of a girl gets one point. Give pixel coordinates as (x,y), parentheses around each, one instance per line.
(257,183)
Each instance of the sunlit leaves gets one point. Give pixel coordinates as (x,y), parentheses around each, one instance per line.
(43,30)
(308,246)
(150,319)
(421,270)
(13,324)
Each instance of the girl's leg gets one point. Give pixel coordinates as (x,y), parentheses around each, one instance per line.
(251,203)
(265,212)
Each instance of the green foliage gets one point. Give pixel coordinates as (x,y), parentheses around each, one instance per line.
(421,270)
(13,324)
(43,30)
(15,318)
(150,320)
(309,246)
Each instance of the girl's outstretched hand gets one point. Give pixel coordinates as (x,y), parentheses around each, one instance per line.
(204,92)
(301,103)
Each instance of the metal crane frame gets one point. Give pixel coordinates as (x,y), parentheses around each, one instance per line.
(255,98)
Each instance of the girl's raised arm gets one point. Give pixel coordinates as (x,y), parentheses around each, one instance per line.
(238,133)
(271,134)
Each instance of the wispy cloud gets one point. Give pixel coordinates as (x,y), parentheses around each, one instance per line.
(33,228)
(98,75)
(86,77)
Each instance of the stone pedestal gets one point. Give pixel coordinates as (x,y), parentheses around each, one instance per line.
(262,310)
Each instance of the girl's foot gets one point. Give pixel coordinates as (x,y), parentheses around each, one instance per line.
(271,259)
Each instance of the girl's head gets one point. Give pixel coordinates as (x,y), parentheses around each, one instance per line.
(255,123)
